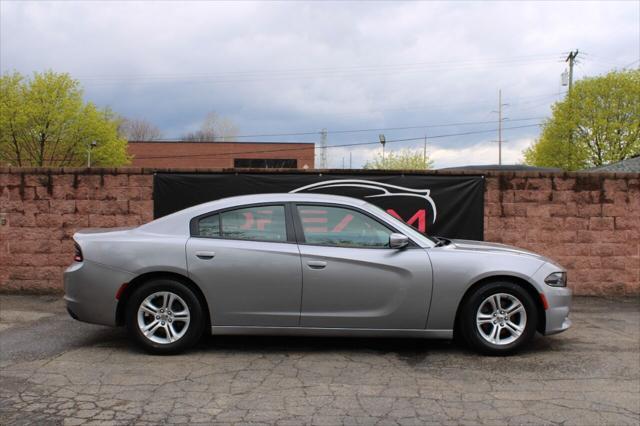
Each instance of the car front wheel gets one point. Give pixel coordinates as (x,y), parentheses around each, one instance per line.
(164,316)
(498,318)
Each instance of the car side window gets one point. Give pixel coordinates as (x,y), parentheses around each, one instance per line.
(263,223)
(209,226)
(341,227)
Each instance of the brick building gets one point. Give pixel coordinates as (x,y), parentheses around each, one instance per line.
(176,154)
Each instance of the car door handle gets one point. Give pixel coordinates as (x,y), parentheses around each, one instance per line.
(317,264)
(206,255)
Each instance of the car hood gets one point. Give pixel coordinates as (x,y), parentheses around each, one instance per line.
(485,247)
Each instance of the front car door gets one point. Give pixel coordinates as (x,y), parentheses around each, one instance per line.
(352,278)
(247,263)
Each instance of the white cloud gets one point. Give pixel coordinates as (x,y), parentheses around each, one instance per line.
(482,153)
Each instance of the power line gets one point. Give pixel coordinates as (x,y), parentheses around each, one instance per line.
(275,75)
(609,60)
(474,132)
(346,131)
(260,74)
(538,104)
(631,63)
(286,77)
(419,138)
(518,101)
(441,107)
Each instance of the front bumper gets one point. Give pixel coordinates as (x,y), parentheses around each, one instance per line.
(557,315)
(90,292)
(558,299)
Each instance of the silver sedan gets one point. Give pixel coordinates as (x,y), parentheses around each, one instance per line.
(307,264)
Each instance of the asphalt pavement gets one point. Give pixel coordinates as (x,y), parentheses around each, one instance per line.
(54,370)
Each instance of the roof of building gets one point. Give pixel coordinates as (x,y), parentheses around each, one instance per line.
(631,164)
(170,141)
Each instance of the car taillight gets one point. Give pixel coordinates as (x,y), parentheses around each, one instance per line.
(77,256)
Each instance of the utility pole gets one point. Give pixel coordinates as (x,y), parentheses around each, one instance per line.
(350,160)
(500,120)
(572,60)
(424,153)
(500,127)
(323,149)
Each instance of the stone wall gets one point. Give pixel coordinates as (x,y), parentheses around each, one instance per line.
(588,222)
(41,209)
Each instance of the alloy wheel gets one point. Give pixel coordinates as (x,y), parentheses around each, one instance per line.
(501,319)
(163,317)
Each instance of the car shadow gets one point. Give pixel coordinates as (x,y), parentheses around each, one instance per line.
(408,348)
(412,351)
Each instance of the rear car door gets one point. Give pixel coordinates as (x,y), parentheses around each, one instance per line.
(247,263)
(352,278)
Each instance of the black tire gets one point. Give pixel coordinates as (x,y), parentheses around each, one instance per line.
(192,330)
(469,328)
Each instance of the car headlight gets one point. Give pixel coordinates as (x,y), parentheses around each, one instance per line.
(557,279)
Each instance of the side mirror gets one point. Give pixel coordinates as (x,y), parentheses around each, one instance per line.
(398,241)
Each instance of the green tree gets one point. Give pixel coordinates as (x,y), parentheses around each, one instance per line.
(597,123)
(404,159)
(45,122)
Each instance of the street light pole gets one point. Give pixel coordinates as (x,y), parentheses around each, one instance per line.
(91,146)
(383,141)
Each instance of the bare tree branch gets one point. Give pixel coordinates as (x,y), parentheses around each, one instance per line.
(139,130)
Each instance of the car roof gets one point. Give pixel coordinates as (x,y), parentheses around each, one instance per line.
(288,196)
(240,200)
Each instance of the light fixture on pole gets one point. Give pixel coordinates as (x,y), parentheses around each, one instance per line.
(383,141)
(92,145)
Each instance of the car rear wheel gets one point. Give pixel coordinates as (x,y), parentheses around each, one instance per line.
(498,318)
(164,316)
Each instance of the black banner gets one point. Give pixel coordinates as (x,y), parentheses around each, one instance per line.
(447,206)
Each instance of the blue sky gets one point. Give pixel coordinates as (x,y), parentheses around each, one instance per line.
(281,67)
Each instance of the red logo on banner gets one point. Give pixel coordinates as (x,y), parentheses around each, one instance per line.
(420,216)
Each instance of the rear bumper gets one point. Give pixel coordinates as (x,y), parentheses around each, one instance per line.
(90,292)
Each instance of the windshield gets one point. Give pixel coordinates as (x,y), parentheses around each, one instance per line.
(407,229)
